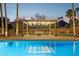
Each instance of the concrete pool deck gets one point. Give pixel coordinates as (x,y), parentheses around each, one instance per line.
(42,37)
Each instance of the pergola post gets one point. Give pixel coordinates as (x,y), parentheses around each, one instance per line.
(2,22)
(6,21)
(17,20)
(23,28)
(27,28)
(55,29)
(50,28)
(74,33)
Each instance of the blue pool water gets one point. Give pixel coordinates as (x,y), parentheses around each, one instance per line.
(39,48)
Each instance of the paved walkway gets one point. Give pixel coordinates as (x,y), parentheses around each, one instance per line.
(42,37)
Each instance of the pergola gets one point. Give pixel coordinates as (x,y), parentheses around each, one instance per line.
(42,22)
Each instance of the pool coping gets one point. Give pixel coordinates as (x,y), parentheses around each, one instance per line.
(48,37)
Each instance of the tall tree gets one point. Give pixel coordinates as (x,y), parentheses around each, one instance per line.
(6,20)
(37,16)
(69,13)
(2,22)
(77,10)
(17,20)
(42,17)
(73,18)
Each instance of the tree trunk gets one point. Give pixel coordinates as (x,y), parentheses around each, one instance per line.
(2,22)
(17,20)
(74,33)
(6,22)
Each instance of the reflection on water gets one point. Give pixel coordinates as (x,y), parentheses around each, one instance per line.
(74,47)
(39,49)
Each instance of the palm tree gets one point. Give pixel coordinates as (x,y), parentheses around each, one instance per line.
(77,10)
(17,19)
(6,21)
(69,13)
(2,19)
(73,19)
(77,15)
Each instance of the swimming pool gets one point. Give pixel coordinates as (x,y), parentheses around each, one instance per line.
(39,48)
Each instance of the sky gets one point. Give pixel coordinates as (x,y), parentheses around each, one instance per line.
(30,9)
